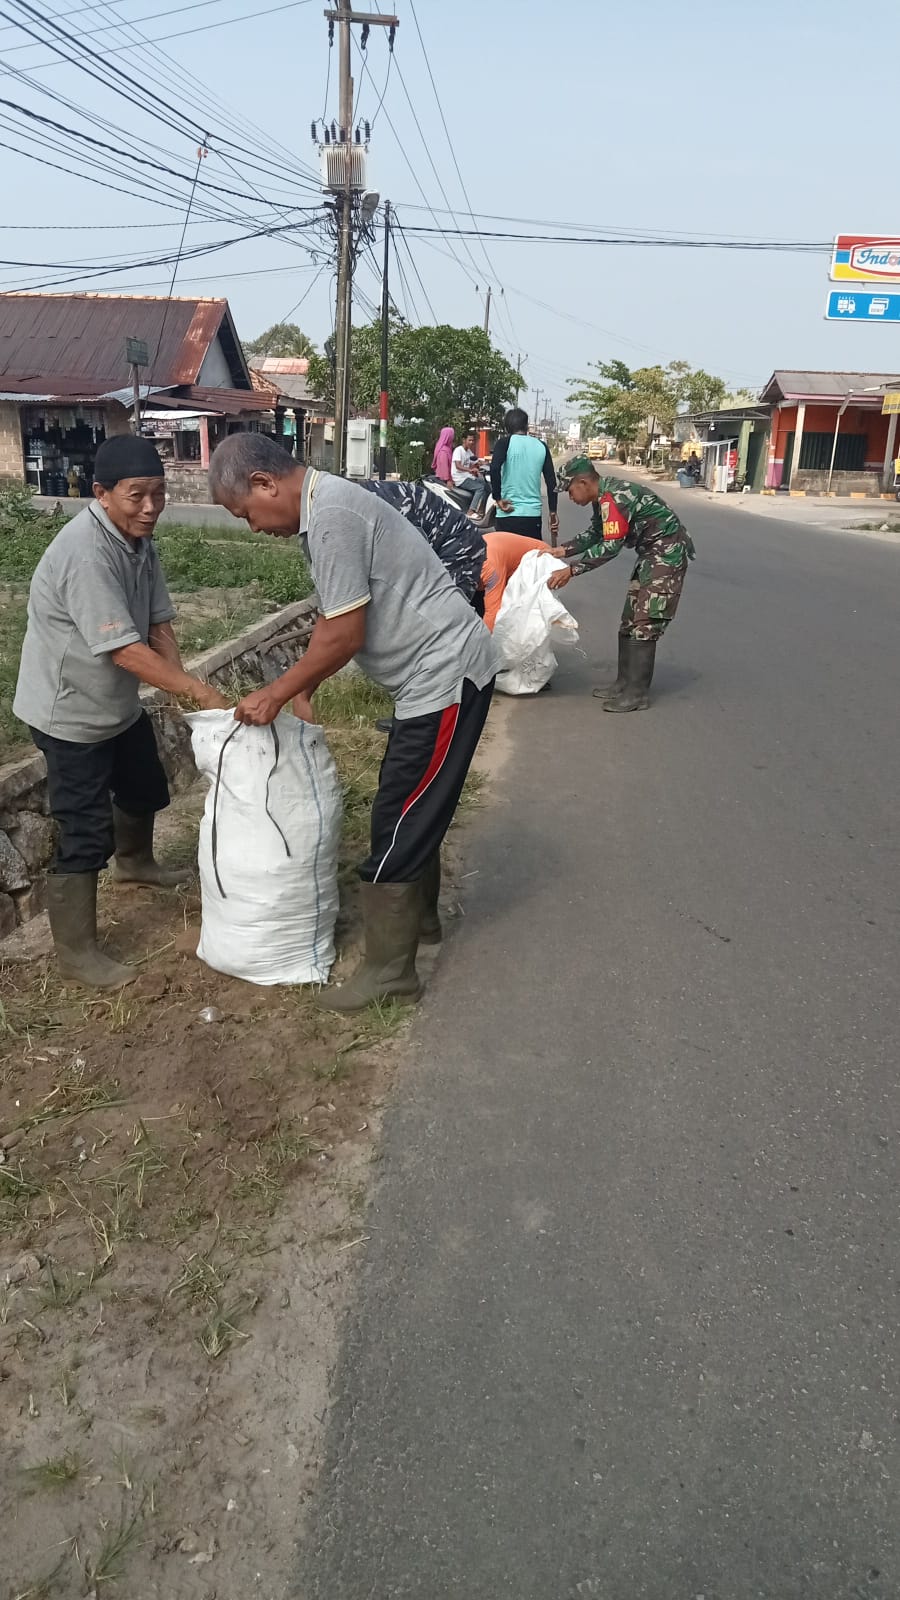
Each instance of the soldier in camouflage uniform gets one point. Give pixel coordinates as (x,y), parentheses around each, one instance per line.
(630,514)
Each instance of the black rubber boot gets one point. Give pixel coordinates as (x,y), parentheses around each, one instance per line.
(134,860)
(641,658)
(431,931)
(72,908)
(392,914)
(613,690)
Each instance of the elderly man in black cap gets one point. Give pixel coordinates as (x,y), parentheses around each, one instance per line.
(100,625)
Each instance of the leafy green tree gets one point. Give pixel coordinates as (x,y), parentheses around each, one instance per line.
(622,405)
(282,339)
(636,406)
(443,376)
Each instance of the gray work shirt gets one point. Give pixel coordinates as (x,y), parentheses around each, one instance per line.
(422,637)
(93,591)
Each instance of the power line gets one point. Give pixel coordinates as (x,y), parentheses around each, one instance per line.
(184,33)
(462,182)
(185,82)
(106,27)
(772,246)
(187,217)
(396,222)
(113,78)
(175,77)
(100,144)
(387,78)
(111,269)
(234,118)
(98,5)
(306,293)
(401,145)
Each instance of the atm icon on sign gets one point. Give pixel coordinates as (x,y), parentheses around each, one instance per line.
(878,307)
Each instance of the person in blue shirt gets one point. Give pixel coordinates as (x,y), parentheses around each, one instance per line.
(518,464)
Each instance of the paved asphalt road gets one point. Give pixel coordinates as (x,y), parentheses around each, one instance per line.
(628,1326)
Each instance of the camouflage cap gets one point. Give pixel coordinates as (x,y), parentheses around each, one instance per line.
(576,467)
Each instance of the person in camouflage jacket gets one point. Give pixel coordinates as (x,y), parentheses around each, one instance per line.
(455,538)
(626,514)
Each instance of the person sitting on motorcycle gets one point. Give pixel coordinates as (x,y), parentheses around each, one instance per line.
(468,480)
(442,460)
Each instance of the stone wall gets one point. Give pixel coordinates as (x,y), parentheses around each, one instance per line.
(815,481)
(256,656)
(186,484)
(12,460)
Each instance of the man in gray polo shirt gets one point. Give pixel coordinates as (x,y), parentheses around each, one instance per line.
(99,625)
(387,600)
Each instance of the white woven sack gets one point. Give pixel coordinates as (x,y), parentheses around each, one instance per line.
(268,848)
(529,612)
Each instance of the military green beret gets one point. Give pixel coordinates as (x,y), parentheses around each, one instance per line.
(577,467)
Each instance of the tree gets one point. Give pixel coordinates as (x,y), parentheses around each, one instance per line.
(445,377)
(700,391)
(627,402)
(738,399)
(282,339)
(640,405)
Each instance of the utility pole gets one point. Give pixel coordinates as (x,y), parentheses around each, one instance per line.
(518,375)
(385,311)
(487,310)
(344,16)
(137,355)
(537,401)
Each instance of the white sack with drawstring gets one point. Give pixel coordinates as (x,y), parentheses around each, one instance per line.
(530,615)
(268,848)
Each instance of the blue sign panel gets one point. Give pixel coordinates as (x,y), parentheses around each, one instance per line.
(845,305)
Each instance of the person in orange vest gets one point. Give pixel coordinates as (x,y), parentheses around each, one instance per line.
(505,551)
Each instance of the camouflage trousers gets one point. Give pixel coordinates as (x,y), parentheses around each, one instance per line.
(655,588)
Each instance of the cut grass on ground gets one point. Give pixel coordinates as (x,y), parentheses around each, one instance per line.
(182,1196)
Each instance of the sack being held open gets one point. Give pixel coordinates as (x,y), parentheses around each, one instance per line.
(268,848)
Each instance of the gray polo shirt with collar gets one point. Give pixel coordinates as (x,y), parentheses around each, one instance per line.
(93,591)
(422,637)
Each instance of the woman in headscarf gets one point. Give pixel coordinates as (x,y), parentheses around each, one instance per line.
(442,460)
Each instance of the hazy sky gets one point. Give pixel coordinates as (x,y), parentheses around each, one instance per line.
(768,121)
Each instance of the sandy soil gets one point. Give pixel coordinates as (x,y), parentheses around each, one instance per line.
(181,1206)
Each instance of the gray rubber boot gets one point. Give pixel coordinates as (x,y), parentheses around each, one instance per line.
(613,690)
(641,659)
(392,913)
(134,860)
(431,931)
(72,908)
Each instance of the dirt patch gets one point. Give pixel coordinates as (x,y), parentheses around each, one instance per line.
(181,1203)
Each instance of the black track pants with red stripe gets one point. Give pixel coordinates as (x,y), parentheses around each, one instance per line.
(422,776)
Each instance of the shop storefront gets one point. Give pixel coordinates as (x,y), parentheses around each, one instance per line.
(59,444)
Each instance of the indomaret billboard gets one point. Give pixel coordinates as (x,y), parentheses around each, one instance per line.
(865,258)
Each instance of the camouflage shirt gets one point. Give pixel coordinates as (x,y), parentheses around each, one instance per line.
(626,514)
(453,537)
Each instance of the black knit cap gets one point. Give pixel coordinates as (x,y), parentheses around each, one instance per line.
(125,456)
